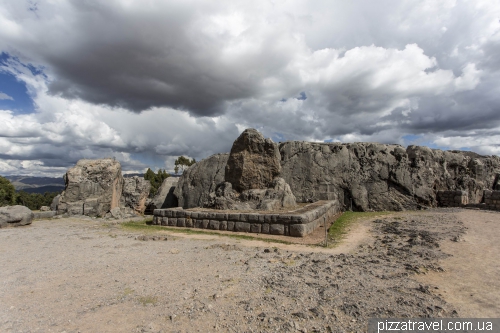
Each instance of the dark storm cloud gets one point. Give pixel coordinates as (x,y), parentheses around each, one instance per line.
(150,80)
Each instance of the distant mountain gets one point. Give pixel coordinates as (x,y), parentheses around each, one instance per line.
(31,184)
(43,189)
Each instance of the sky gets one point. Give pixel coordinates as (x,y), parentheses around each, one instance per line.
(146,81)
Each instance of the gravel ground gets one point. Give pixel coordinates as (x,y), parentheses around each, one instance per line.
(84,275)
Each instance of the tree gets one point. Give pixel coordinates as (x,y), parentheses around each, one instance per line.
(7,192)
(183,162)
(35,200)
(156,179)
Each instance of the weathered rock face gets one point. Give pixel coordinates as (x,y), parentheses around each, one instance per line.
(199,180)
(370,175)
(14,216)
(55,202)
(383,177)
(93,188)
(253,162)
(164,197)
(135,193)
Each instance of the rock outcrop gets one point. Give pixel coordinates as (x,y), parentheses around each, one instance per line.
(93,188)
(383,177)
(14,216)
(199,180)
(135,193)
(251,177)
(253,162)
(164,197)
(97,187)
(366,176)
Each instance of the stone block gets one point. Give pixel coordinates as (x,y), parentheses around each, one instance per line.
(222,225)
(255,228)
(221,216)
(267,218)
(277,229)
(213,224)
(198,224)
(230,225)
(265,228)
(205,223)
(194,215)
(181,222)
(164,221)
(172,221)
(243,217)
(233,217)
(189,223)
(169,213)
(298,230)
(253,218)
(242,226)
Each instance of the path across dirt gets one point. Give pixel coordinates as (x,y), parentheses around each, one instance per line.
(83,275)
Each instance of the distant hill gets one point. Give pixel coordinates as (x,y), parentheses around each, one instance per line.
(31,184)
(43,189)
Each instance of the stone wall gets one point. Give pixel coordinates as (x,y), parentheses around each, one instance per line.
(452,198)
(298,223)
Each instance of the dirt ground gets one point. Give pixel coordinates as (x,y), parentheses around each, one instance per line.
(85,275)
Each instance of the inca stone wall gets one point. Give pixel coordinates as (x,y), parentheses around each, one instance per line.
(296,223)
(452,198)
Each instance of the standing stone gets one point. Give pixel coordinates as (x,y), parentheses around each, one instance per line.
(14,216)
(55,202)
(253,162)
(93,188)
(135,193)
(199,180)
(164,197)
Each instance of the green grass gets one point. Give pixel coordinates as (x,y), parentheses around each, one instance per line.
(145,300)
(145,227)
(339,228)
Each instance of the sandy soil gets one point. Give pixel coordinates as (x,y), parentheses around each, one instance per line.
(74,275)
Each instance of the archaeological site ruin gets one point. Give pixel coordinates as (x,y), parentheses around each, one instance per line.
(287,188)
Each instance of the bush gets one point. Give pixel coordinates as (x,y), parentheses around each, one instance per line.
(7,192)
(156,179)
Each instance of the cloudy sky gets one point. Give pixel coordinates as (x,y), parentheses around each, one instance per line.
(146,81)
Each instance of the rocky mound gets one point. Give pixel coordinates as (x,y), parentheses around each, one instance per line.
(366,176)
(97,187)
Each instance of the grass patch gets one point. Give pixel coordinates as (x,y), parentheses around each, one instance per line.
(145,300)
(338,230)
(145,227)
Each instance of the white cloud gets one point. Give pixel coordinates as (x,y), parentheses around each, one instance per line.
(5,96)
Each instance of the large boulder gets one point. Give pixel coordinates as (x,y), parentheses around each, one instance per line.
(253,162)
(199,180)
(164,197)
(93,188)
(135,193)
(14,216)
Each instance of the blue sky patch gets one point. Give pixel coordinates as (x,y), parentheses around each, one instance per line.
(21,102)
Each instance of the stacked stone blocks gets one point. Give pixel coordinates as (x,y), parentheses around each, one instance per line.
(298,223)
(452,198)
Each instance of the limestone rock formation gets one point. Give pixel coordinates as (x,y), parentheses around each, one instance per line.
(135,193)
(93,188)
(253,162)
(251,177)
(368,176)
(383,177)
(14,216)
(164,197)
(199,180)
